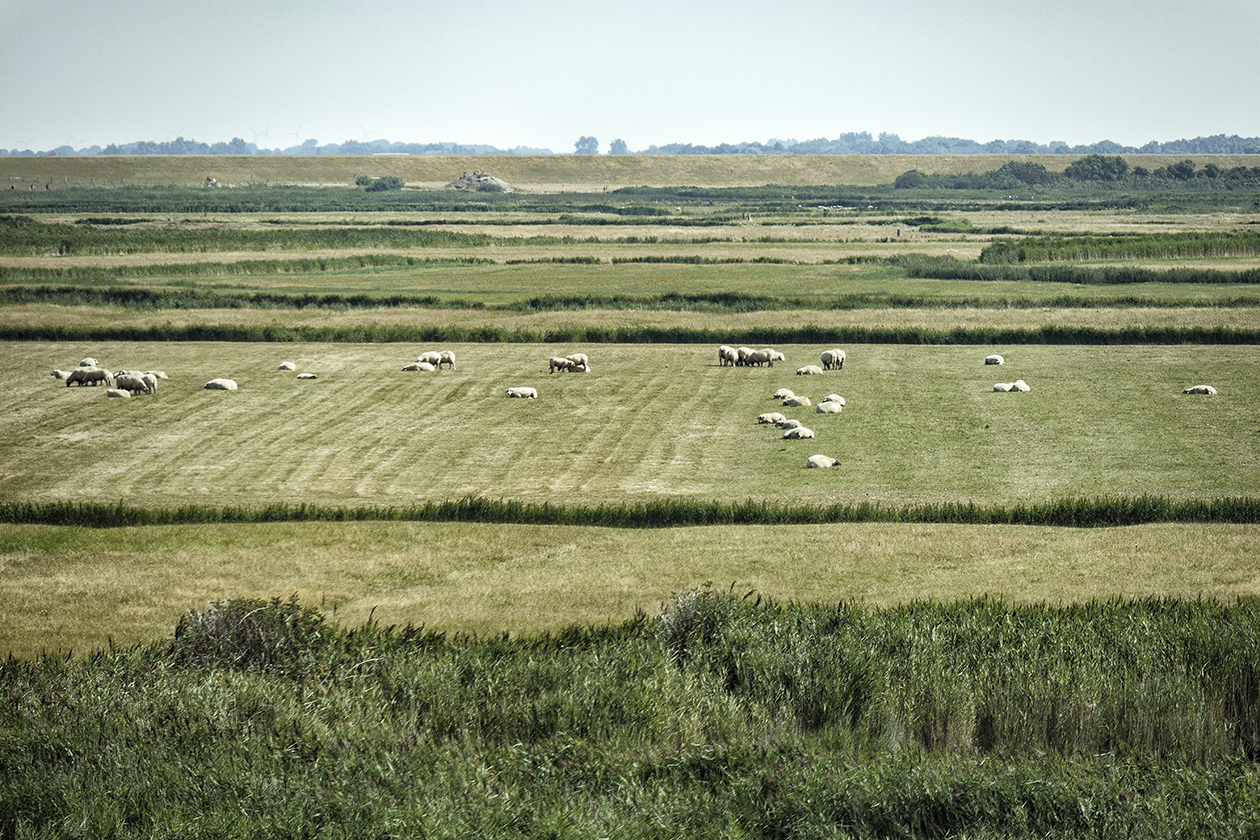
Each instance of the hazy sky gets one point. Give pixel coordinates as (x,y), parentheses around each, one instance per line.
(541,74)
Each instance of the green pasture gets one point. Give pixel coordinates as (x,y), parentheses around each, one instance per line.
(922,425)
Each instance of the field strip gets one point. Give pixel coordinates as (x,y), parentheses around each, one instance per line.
(74,588)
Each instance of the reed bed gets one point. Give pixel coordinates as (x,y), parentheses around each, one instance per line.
(721,714)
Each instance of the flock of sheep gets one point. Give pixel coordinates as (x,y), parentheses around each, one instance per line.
(124,383)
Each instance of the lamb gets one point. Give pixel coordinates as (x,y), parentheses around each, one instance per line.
(770,417)
(1200,389)
(446,357)
(809,370)
(995,359)
(220,385)
(828,407)
(556,363)
(288,366)
(820,462)
(783,394)
(832,359)
(525,393)
(798,401)
(799,433)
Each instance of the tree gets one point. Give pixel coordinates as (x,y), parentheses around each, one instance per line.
(618,147)
(586,146)
(1097,168)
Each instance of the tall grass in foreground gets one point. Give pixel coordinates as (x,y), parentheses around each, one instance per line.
(668,513)
(719,716)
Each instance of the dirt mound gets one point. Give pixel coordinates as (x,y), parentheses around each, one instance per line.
(479,182)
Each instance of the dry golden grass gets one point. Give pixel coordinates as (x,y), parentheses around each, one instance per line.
(541,173)
(75,589)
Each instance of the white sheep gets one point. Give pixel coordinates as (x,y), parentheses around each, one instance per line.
(526,393)
(117,392)
(1017,385)
(1200,389)
(995,359)
(814,462)
(834,398)
(288,366)
(131,383)
(579,359)
(90,376)
(556,363)
(727,356)
(742,354)
(770,417)
(446,357)
(783,394)
(789,423)
(828,407)
(832,359)
(89,362)
(159,374)
(431,357)
(307,376)
(764,356)
(798,401)
(420,366)
(61,374)
(799,433)
(220,385)
(809,370)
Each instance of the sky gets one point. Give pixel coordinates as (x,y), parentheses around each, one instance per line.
(650,72)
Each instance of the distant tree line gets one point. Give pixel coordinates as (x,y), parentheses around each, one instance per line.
(851,143)
(1014,175)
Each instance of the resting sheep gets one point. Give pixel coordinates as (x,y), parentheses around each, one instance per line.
(1200,389)
(220,385)
(446,357)
(834,398)
(1017,385)
(288,366)
(797,401)
(832,359)
(995,359)
(809,370)
(159,374)
(307,376)
(828,407)
(770,417)
(89,362)
(789,423)
(526,393)
(783,394)
(420,366)
(799,433)
(814,462)
(117,392)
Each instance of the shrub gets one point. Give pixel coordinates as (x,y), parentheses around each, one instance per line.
(246,634)
(385,183)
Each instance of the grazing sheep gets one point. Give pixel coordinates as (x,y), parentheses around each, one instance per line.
(815,462)
(61,374)
(526,393)
(798,401)
(89,376)
(789,423)
(799,433)
(431,357)
(131,383)
(770,417)
(1200,389)
(307,376)
(288,366)
(809,370)
(742,354)
(446,357)
(832,359)
(556,363)
(117,392)
(776,356)
(765,356)
(150,382)
(995,359)
(828,407)
(783,394)
(579,359)
(220,385)
(727,356)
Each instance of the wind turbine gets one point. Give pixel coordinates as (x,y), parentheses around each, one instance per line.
(262,133)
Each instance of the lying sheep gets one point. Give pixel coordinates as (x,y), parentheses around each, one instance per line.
(307,376)
(809,370)
(61,374)
(771,417)
(117,392)
(814,462)
(995,359)
(789,423)
(799,433)
(783,394)
(220,385)
(420,366)
(797,401)
(828,407)
(526,393)
(834,398)
(1200,389)
(89,362)
(1017,385)
(288,366)
(832,359)
(158,374)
